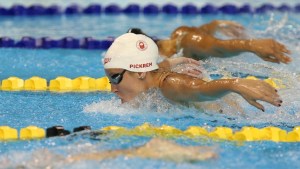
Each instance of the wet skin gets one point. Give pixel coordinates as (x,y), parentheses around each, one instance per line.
(184,88)
(200,43)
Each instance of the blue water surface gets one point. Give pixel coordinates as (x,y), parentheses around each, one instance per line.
(100,109)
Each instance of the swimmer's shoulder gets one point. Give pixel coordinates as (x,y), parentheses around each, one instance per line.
(174,86)
(173,79)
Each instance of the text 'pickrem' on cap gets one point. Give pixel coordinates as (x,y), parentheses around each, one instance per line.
(133,52)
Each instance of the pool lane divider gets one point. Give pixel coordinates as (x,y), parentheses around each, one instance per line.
(59,84)
(80,84)
(245,134)
(133,8)
(33,132)
(68,42)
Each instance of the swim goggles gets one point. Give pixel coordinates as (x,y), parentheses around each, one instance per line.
(117,78)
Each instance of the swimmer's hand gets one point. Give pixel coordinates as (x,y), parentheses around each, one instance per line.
(182,60)
(253,90)
(189,66)
(231,29)
(270,50)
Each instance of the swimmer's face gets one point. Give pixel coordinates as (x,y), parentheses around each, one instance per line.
(125,84)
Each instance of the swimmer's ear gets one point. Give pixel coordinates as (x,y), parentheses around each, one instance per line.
(141,75)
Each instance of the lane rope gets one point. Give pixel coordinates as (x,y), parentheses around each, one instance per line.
(187,9)
(80,84)
(69,42)
(246,133)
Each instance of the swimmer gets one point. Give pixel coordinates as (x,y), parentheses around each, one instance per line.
(155,149)
(131,66)
(200,43)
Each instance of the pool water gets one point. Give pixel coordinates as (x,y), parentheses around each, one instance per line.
(100,109)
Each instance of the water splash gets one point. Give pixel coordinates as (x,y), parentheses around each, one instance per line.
(288,113)
(148,102)
(273,26)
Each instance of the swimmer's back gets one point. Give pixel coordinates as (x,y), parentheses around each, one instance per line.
(181,31)
(196,43)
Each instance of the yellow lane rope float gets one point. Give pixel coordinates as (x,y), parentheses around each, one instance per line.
(245,134)
(59,84)
(82,83)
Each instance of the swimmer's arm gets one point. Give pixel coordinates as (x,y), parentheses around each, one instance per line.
(205,46)
(267,49)
(184,88)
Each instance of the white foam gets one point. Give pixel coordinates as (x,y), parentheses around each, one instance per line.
(149,101)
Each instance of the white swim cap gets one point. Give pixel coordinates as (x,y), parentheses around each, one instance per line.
(133,52)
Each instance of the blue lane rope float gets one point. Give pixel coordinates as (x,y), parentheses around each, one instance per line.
(49,43)
(37,9)
(245,134)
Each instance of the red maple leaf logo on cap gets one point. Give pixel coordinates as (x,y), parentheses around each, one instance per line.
(141,45)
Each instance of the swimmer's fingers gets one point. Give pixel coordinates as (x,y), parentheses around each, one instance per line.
(195,62)
(277,58)
(281,51)
(271,98)
(255,104)
(271,50)
(254,90)
(285,59)
(271,59)
(193,72)
(270,95)
(191,61)
(267,94)
(284,49)
(182,60)
(282,57)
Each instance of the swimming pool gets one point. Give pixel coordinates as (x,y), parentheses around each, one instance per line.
(100,109)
